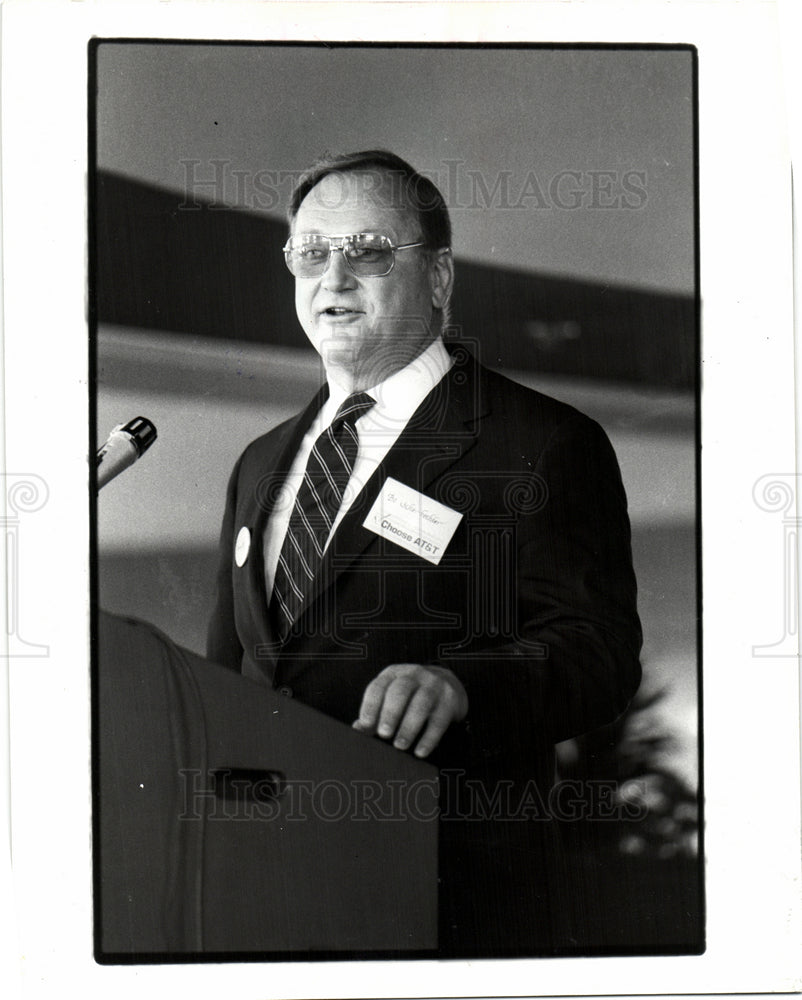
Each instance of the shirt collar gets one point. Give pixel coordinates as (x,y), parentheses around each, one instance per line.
(402,393)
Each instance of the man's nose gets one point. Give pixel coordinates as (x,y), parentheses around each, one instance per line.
(338,274)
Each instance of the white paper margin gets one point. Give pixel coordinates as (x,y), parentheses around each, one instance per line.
(751,721)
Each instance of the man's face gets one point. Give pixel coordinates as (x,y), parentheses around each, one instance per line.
(365,328)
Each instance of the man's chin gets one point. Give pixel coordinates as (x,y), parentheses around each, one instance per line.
(357,360)
(342,348)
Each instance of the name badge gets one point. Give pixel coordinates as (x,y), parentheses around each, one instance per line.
(412,520)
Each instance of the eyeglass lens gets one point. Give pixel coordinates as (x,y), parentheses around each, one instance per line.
(366,254)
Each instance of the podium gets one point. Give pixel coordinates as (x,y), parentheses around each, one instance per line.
(232,820)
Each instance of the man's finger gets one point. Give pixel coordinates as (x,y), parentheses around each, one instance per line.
(396,699)
(439,721)
(372,700)
(418,710)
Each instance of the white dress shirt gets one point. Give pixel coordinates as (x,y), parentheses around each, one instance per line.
(378,429)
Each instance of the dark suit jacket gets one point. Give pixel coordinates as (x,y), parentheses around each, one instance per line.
(533,606)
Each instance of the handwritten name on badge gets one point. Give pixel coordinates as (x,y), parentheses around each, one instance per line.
(412,520)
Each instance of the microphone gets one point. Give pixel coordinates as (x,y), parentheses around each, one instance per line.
(125,444)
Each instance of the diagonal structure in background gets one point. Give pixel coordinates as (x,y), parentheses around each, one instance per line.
(217,271)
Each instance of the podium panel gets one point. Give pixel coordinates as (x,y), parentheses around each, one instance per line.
(233,819)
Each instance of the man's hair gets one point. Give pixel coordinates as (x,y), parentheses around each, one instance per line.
(404,186)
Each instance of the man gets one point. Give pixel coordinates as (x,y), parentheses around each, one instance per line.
(430,552)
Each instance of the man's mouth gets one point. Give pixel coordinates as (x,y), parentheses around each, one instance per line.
(342,311)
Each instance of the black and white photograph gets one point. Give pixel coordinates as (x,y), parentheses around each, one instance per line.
(400,499)
(435,306)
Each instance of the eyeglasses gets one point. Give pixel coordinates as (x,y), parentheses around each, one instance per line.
(367,254)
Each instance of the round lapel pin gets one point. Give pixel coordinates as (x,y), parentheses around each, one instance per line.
(243,546)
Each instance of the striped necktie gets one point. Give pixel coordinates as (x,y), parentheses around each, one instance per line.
(319,499)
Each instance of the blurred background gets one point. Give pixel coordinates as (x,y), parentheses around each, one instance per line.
(569,175)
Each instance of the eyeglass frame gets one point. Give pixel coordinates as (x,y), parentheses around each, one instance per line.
(286,250)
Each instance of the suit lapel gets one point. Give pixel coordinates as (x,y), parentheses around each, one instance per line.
(440,433)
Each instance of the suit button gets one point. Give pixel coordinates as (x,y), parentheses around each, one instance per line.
(285,690)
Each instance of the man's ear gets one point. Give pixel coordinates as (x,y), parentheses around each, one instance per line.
(441,271)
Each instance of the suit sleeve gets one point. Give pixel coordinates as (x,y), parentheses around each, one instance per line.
(223,645)
(575,594)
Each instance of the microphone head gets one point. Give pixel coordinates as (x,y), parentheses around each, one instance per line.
(143,433)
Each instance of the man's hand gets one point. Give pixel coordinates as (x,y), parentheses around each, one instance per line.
(404,698)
